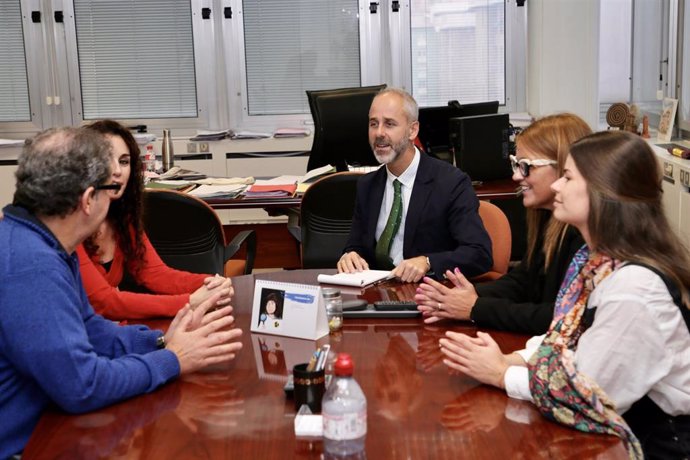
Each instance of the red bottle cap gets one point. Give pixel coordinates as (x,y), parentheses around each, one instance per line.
(343,365)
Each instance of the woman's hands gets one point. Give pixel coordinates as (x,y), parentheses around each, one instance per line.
(437,301)
(213,285)
(478,357)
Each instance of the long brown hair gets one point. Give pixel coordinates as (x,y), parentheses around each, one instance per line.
(626,216)
(125,213)
(550,138)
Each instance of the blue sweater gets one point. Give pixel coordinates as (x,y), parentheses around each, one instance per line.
(53,347)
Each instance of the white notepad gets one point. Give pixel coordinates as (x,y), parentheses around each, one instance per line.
(358,279)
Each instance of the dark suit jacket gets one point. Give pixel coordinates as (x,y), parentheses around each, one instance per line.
(442,221)
(523,299)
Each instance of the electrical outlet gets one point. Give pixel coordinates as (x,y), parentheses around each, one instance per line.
(191,147)
(203,147)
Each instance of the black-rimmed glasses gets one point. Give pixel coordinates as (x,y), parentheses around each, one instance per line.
(114,187)
(523,164)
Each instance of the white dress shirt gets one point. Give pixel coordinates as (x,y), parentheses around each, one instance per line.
(407,180)
(638,344)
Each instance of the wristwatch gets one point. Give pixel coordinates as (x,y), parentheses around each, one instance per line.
(160,342)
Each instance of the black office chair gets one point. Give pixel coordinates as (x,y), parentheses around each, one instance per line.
(187,234)
(325,219)
(341,119)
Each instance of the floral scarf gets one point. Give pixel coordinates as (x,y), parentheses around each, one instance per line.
(560,392)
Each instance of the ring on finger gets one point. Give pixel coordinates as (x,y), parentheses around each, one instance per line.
(439,307)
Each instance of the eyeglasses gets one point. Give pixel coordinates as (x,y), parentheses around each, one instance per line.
(115,187)
(523,165)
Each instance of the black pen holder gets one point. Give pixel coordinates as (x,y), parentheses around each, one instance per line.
(309,387)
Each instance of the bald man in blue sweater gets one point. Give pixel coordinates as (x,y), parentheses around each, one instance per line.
(54,350)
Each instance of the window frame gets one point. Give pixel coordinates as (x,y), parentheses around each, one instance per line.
(382,60)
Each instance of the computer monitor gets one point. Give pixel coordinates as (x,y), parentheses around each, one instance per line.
(341,127)
(433,122)
(481,146)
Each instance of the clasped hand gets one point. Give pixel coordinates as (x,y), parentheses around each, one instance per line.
(212,285)
(478,357)
(200,337)
(437,301)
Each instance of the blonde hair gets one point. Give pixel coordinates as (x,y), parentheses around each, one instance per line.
(550,138)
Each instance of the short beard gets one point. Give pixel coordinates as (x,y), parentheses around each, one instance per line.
(396,151)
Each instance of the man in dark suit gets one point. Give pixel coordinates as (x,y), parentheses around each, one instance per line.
(417,214)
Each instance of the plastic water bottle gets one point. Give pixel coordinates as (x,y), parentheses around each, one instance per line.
(150,159)
(344,411)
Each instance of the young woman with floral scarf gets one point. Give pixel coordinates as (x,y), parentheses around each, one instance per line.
(616,358)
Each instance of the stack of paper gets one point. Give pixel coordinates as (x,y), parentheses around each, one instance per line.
(177,173)
(218,191)
(312,176)
(270,191)
(205,136)
(291,132)
(144,138)
(179,185)
(248,135)
(225,180)
(11,142)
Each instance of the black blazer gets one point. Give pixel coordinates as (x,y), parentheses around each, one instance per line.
(442,221)
(523,299)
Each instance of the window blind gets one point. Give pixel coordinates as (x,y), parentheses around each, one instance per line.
(298,45)
(14,85)
(136,58)
(458,51)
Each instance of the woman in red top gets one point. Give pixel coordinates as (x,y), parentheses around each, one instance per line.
(123,275)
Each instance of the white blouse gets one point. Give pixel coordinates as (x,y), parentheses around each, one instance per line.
(638,344)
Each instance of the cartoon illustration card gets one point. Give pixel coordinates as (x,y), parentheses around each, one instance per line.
(292,310)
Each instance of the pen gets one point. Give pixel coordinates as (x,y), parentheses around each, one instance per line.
(312,361)
(323,357)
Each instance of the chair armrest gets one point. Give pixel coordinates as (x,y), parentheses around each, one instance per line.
(247,237)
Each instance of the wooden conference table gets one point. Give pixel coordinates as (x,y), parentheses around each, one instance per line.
(416,409)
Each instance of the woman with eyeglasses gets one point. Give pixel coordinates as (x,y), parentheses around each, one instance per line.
(522,300)
(615,359)
(123,275)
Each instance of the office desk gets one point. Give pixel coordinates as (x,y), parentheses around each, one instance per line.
(278,248)
(493,190)
(416,410)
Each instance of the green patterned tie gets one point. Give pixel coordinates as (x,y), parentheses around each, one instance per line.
(383,246)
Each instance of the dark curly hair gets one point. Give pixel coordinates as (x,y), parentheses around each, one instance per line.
(125,213)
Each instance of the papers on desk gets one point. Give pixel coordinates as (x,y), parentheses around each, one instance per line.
(316,174)
(205,136)
(225,181)
(12,142)
(218,191)
(248,135)
(291,132)
(177,173)
(358,279)
(271,191)
(179,185)
(144,138)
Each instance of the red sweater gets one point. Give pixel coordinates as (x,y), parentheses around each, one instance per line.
(171,287)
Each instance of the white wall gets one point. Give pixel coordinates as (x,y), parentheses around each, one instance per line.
(563,58)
